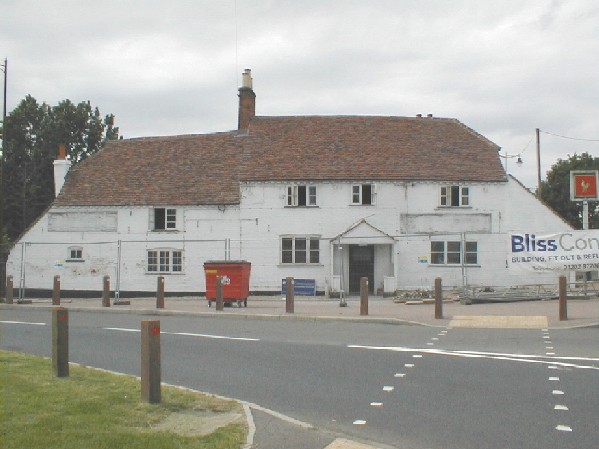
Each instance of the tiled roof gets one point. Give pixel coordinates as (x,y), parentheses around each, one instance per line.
(207,169)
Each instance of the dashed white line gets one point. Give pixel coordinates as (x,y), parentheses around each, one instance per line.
(388,388)
(409,365)
(560,407)
(563,428)
(557,392)
(554,378)
(376,404)
(399,375)
(359,422)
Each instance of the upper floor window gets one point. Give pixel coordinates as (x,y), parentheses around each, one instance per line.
(301,195)
(452,253)
(455,196)
(300,250)
(164,219)
(165,261)
(363,194)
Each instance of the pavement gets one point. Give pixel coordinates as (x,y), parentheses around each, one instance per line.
(271,430)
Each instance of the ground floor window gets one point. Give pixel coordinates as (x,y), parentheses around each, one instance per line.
(300,250)
(165,261)
(452,253)
(75,254)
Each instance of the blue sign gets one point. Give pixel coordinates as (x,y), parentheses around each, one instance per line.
(301,287)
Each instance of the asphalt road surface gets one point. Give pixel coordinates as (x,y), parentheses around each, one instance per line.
(404,386)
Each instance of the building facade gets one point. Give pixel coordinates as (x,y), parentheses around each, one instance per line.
(400,200)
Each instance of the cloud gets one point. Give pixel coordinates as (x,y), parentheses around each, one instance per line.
(502,68)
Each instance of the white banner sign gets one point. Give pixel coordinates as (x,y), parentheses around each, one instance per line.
(565,251)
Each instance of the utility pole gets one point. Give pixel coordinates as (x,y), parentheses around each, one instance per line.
(538,161)
(3,255)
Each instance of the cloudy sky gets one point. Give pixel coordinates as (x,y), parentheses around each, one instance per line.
(171,67)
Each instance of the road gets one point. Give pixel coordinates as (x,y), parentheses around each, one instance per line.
(403,386)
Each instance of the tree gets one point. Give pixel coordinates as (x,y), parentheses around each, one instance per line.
(34,133)
(555,191)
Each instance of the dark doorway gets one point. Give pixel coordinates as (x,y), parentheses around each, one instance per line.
(361,264)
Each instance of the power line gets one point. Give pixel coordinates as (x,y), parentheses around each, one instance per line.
(570,138)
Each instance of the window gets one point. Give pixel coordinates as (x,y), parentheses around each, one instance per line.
(301,195)
(300,250)
(450,253)
(363,194)
(164,219)
(75,253)
(455,196)
(165,261)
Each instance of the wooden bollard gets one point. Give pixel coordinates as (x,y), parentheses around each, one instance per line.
(289,295)
(160,293)
(60,342)
(563,301)
(106,291)
(56,291)
(438,299)
(364,296)
(150,361)
(219,293)
(9,289)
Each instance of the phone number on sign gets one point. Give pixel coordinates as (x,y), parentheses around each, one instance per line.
(581,266)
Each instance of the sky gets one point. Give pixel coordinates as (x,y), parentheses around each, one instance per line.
(503,68)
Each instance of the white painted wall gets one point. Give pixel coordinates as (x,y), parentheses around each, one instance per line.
(398,224)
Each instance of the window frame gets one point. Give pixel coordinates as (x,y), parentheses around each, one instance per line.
(358,196)
(164,261)
(454,195)
(301,195)
(453,253)
(305,248)
(166,217)
(77,256)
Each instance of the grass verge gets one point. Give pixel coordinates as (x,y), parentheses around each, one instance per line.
(98,410)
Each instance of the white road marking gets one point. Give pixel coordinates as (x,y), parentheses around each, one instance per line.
(22,322)
(186,334)
(524,358)
(552,367)
(554,378)
(417,356)
(359,422)
(563,428)
(218,337)
(376,404)
(548,347)
(430,344)
(409,365)
(388,388)
(546,336)
(560,407)
(434,339)
(399,375)
(550,353)
(557,392)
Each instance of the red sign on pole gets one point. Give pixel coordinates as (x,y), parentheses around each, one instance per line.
(584,185)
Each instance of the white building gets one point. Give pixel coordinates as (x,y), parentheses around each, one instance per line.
(400,200)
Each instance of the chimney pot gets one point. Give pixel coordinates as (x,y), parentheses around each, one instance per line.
(419,115)
(246,79)
(62,153)
(429,115)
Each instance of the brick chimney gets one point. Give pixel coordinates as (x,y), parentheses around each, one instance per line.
(247,102)
(61,168)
